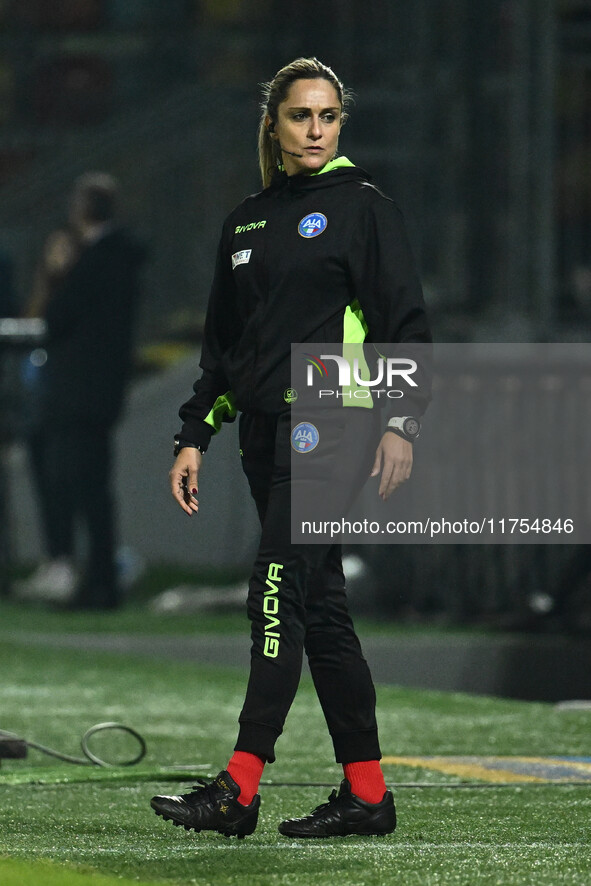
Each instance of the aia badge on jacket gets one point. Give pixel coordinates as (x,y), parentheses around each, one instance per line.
(312,224)
(304,437)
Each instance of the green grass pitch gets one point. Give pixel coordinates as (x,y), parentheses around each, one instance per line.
(65,825)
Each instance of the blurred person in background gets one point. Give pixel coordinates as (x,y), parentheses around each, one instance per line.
(319,255)
(87,290)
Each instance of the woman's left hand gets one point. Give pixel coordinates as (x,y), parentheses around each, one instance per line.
(394,460)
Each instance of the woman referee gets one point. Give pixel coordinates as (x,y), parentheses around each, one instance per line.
(319,255)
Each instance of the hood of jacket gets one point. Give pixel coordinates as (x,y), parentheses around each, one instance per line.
(334,173)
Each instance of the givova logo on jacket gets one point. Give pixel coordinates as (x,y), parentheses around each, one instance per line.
(312,224)
(304,437)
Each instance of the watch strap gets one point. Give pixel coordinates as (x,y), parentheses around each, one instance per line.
(180,443)
(399,433)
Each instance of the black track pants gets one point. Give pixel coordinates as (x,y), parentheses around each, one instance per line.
(297,598)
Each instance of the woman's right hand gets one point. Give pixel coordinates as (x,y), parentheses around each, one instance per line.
(184,476)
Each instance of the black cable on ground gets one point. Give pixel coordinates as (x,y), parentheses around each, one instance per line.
(90,758)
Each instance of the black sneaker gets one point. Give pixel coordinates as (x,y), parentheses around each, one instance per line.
(212,806)
(344,814)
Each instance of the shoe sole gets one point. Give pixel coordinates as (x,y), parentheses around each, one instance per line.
(336,836)
(369,832)
(189,827)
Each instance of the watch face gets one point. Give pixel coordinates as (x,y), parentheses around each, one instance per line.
(411,427)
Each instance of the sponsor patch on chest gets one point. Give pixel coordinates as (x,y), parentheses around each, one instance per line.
(241,258)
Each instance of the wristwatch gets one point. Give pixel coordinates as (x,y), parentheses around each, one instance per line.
(406,426)
(179,444)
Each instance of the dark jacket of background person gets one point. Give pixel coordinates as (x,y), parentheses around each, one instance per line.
(90,318)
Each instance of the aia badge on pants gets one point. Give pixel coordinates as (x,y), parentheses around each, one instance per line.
(304,437)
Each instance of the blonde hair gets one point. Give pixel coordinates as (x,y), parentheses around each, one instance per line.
(275,92)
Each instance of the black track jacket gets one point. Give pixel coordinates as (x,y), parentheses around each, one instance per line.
(277,281)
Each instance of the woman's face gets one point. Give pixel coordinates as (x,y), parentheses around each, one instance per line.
(308,125)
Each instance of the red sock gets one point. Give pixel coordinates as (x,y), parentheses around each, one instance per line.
(366,780)
(246,770)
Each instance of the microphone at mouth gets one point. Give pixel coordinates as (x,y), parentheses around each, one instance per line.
(293,154)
